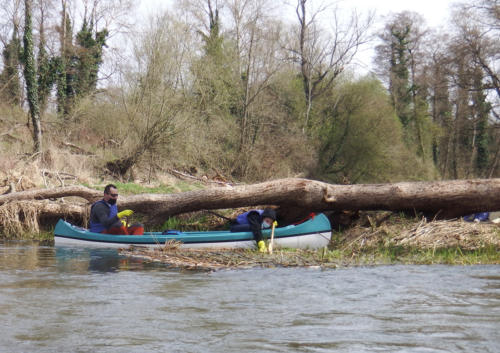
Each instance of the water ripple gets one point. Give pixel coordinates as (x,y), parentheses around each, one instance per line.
(85,301)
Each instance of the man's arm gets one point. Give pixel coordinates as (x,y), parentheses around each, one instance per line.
(254,220)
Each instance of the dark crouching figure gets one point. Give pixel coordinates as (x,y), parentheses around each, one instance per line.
(255,221)
(105,218)
(478,217)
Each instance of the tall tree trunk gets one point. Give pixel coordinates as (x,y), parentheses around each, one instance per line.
(305,65)
(62,106)
(30,76)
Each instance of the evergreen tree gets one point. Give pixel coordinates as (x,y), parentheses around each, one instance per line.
(46,68)
(399,82)
(89,58)
(77,67)
(215,87)
(61,64)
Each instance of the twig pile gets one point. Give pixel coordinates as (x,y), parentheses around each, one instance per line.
(450,233)
(424,235)
(212,260)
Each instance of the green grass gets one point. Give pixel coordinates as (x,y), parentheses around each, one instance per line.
(171,223)
(408,255)
(133,188)
(43,236)
(194,223)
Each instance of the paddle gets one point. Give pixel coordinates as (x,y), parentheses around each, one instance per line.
(272,237)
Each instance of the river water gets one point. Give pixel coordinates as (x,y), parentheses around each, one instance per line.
(80,300)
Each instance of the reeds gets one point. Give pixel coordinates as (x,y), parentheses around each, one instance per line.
(18,218)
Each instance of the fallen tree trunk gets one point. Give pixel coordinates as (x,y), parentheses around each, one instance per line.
(54,193)
(446,199)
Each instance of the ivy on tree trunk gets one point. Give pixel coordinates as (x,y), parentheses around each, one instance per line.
(31,77)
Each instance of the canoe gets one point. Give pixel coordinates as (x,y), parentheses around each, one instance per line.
(313,233)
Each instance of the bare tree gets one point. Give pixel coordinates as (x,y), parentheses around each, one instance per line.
(11,16)
(152,96)
(479,30)
(323,56)
(241,47)
(477,26)
(438,66)
(10,78)
(256,36)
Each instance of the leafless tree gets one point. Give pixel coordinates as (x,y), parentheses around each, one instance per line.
(324,55)
(479,30)
(10,11)
(256,36)
(152,93)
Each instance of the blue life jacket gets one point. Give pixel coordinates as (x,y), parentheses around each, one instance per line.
(97,227)
(481,217)
(242,218)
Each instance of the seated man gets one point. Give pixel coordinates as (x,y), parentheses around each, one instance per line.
(255,221)
(105,218)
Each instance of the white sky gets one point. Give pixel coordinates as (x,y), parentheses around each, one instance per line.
(435,12)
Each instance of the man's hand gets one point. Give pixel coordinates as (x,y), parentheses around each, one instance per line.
(125,213)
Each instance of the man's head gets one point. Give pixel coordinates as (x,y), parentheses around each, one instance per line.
(268,217)
(110,194)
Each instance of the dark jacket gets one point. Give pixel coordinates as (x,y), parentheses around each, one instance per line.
(103,216)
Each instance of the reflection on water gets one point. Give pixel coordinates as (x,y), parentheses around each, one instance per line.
(80,300)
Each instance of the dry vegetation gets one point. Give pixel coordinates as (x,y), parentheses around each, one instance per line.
(423,234)
(212,260)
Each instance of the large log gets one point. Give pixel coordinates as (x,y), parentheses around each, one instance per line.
(54,193)
(446,199)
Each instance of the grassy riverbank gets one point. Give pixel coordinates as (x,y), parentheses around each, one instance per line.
(372,238)
(398,240)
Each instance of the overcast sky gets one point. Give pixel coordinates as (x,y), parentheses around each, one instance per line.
(434,11)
